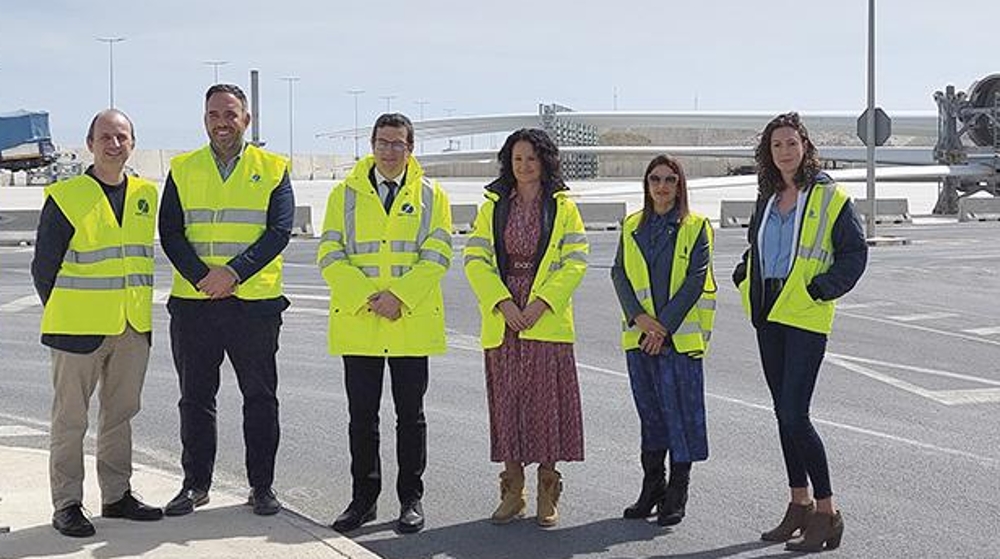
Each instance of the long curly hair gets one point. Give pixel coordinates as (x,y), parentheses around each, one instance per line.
(768,176)
(545,149)
(681,202)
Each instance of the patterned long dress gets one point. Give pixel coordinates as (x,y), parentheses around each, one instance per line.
(532,388)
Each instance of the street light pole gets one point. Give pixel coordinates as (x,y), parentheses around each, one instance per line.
(215,67)
(291,130)
(870,125)
(388,102)
(111,66)
(421,104)
(355,93)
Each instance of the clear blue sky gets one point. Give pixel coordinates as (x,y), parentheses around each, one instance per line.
(475,58)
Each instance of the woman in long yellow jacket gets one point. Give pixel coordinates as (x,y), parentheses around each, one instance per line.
(526,256)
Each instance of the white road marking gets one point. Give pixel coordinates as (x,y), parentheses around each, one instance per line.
(987,331)
(21,303)
(871,305)
(19,431)
(305,297)
(922,316)
(946,397)
(923,328)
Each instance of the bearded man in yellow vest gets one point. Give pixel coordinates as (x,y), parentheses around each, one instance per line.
(225,219)
(386,246)
(93,270)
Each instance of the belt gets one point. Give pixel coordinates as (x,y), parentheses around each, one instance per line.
(773,285)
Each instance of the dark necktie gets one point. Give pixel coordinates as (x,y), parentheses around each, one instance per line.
(390,196)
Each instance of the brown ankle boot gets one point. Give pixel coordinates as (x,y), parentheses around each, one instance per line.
(821,530)
(796,517)
(549,489)
(513,498)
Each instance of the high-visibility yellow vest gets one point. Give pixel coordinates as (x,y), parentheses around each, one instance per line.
(106,277)
(813,256)
(557,276)
(223,219)
(695,331)
(364,251)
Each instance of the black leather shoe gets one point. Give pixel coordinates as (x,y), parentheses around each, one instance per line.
(264,502)
(131,508)
(185,502)
(352,518)
(71,522)
(411,518)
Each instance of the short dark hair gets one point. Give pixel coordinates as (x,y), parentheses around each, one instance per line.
(545,149)
(394,120)
(232,89)
(93,123)
(768,175)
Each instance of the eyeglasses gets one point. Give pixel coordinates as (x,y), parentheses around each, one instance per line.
(669,179)
(384,145)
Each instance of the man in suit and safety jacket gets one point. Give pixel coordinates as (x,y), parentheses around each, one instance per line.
(386,246)
(226,217)
(93,269)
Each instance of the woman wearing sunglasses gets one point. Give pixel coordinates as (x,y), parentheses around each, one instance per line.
(663,278)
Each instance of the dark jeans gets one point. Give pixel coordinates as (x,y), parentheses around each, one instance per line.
(363,379)
(200,341)
(791,358)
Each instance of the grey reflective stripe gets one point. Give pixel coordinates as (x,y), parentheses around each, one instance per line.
(706,304)
(576,255)
(404,246)
(366,248)
(480,242)
(574,239)
(198,216)
(434,256)
(474,257)
(441,235)
(370,271)
(140,280)
(219,249)
(95,284)
(643,294)
(252,217)
(92,256)
(818,254)
(331,257)
(332,236)
(398,271)
(350,201)
(426,209)
(554,267)
(817,245)
(688,328)
(228,249)
(139,251)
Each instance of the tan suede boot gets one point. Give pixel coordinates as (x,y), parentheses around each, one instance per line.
(549,489)
(795,520)
(822,530)
(513,498)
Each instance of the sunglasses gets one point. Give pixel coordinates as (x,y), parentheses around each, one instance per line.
(668,180)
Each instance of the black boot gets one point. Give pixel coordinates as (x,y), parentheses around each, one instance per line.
(653,485)
(671,509)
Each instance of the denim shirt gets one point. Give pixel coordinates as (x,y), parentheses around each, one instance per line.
(779,236)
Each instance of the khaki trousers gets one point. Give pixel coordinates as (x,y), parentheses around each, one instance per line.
(119,367)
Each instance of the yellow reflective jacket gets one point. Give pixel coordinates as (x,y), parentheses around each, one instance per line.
(364,251)
(813,256)
(695,331)
(223,219)
(558,273)
(106,277)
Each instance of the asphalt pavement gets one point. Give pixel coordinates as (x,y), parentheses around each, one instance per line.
(907,404)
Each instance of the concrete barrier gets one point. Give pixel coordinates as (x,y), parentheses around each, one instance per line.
(18,226)
(302,225)
(889,210)
(462,217)
(602,216)
(736,213)
(979,209)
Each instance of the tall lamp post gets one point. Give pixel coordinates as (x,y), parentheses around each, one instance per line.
(215,68)
(355,93)
(422,104)
(388,102)
(111,66)
(291,130)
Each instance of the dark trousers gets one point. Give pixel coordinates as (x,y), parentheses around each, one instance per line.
(791,358)
(199,341)
(363,379)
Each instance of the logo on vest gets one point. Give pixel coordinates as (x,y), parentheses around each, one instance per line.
(406,208)
(142,207)
(255,178)
(812,213)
